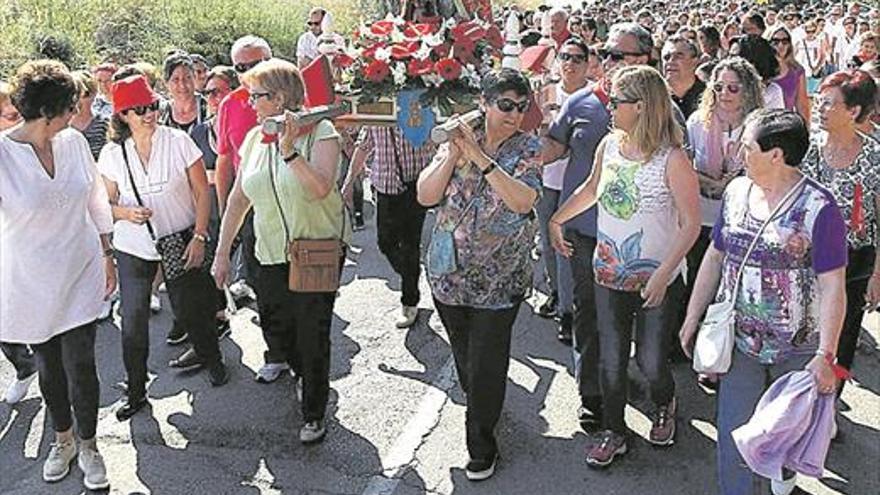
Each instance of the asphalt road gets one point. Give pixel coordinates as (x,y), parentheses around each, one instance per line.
(396,419)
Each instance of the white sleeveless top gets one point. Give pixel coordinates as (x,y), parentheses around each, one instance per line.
(638,222)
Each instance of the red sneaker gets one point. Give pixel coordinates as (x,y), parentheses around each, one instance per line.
(606,446)
(663,426)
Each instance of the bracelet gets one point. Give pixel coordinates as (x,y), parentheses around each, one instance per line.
(488,170)
(293,156)
(200,237)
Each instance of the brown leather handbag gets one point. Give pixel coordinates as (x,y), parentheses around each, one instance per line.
(315,264)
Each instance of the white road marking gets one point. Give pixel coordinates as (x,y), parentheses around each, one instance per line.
(262,480)
(35,434)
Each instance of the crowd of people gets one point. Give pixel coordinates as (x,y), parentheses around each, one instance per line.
(689,152)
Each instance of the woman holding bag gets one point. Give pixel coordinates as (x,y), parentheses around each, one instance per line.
(290,182)
(159,194)
(786,235)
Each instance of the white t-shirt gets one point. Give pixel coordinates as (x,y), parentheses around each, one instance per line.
(773,96)
(51,265)
(845,49)
(163,186)
(807,54)
(555,172)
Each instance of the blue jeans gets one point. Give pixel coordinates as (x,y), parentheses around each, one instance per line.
(740,390)
(557,269)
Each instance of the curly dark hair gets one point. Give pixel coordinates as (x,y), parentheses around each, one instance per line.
(43,89)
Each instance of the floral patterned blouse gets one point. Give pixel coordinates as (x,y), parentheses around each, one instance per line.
(855,188)
(777,305)
(492,242)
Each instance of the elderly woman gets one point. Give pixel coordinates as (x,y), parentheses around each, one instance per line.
(792,77)
(157,186)
(93,127)
(647,196)
(290,182)
(848,164)
(484,183)
(186,108)
(869,46)
(51,195)
(798,278)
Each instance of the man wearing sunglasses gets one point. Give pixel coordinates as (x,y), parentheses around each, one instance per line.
(307,45)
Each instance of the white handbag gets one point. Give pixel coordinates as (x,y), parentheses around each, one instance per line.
(713,349)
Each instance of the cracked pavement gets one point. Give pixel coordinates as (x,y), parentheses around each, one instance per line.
(396,417)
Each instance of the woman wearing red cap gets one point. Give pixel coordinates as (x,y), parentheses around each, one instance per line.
(159,192)
(53,208)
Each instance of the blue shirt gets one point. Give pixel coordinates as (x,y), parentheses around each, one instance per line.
(580,126)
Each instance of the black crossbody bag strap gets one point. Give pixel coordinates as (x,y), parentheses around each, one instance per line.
(137,195)
(397,157)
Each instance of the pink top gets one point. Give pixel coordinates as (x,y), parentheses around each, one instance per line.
(234,119)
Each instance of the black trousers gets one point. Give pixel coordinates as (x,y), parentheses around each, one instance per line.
(586,335)
(480,340)
(861,264)
(399,220)
(68,377)
(21,357)
(296,326)
(194,299)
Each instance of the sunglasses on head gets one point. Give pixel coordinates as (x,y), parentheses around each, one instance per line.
(573,57)
(245,66)
(614,102)
(143,109)
(507,105)
(732,88)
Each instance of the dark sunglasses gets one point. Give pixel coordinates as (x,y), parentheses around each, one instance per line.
(507,105)
(256,96)
(142,110)
(572,57)
(779,41)
(617,55)
(245,66)
(810,31)
(313,23)
(731,87)
(614,102)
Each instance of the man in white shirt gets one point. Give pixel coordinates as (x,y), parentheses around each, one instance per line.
(847,45)
(307,45)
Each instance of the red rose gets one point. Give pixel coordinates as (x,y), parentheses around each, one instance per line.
(370,53)
(382,28)
(449,69)
(493,36)
(417,67)
(401,51)
(416,31)
(377,71)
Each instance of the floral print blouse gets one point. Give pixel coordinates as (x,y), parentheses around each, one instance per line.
(492,242)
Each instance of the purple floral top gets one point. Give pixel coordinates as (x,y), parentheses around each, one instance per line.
(492,242)
(778,302)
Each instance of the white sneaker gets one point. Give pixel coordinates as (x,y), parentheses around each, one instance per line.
(92,465)
(312,432)
(241,289)
(163,287)
(57,463)
(408,316)
(155,303)
(18,389)
(784,487)
(270,372)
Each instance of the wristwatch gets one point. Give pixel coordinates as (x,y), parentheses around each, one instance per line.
(200,237)
(293,156)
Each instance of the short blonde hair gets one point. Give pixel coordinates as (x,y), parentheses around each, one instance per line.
(85,83)
(656,127)
(5,92)
(280,77)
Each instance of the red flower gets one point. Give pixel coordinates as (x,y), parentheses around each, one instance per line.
(468,30)
(417,31)
(342,60)
(382,28)
(464,51)
(417,67)
(377,71)
(370,53)
(442,51)
(401,51)
(449,69)
(493,36)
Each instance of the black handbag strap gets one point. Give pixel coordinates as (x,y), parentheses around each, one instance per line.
(396,156)
(137,195)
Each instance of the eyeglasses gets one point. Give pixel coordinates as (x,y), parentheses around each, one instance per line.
(313,23)
(142,110)
(507,105)
(732,88)
(254,96)
(617,55)
(246,66)
(614,101)
(779,41)
(572,57)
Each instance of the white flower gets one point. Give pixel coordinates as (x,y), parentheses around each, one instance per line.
(433,40)
(397,36)
(432,79)
(422,53)
(398,72)
(383,54)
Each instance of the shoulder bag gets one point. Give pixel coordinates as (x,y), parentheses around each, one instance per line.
(172,247)
(314,263)
(713,349)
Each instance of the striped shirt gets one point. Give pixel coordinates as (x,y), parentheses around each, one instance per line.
(386,145)
(96,135)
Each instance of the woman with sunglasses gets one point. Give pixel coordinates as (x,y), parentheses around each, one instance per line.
(847,162)
(647,196)
(156,182)
(53,211)
(484,184)
(792,77)
(290,182)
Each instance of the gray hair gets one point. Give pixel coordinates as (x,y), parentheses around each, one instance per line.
(556,11)
(250,41)
(691,46)
(642,35)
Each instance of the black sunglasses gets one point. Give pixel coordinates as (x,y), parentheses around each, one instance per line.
(573,57)
(733,88)
(779,41)
(141,110)
(617,55)
(614,102)
(313,23)
(246,66)
(507,105)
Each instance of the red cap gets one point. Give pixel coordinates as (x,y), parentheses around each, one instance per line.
(131,92)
